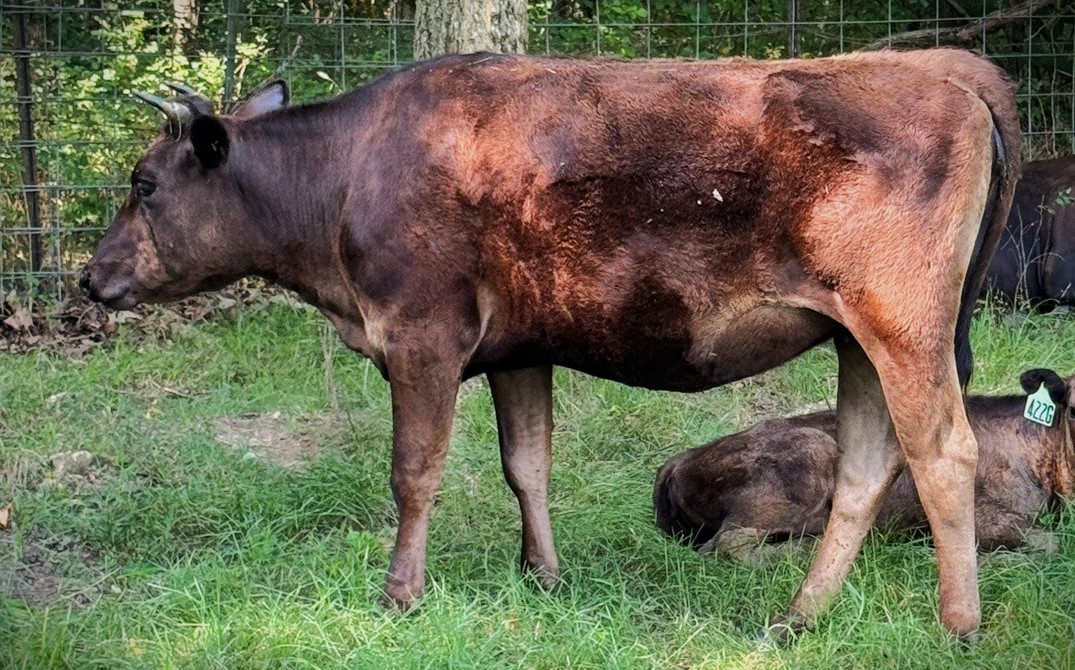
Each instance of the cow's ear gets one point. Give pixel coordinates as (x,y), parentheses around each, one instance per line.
(270,96)
(1031,381)
(210,141)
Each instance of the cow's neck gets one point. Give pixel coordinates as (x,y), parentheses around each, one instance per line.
(293,193)
(1048,451)
(1052,458)
(1063,456)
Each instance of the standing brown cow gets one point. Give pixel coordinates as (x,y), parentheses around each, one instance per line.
(672,225)
(776,480)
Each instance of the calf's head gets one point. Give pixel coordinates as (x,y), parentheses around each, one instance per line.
(179,230)
(1061,392)
(1055,464)
(673,516)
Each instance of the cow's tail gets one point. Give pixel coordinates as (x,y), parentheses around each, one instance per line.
(996,93)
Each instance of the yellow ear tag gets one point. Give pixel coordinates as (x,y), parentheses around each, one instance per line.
(1040,408)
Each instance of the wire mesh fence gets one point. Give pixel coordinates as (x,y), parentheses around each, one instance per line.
(72,131)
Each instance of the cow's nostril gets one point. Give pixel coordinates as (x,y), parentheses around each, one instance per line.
(84,280)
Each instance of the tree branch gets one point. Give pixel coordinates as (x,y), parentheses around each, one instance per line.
(960,35)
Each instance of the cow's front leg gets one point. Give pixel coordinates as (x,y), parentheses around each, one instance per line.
(423,404)
(523,402)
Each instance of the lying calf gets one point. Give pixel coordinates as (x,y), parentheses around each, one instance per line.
(776,480)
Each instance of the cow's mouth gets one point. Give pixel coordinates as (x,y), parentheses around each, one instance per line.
(125,301)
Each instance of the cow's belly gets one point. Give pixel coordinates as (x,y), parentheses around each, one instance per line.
(757,341)
(710,352)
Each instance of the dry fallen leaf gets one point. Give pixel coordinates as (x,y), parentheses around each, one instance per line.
(21,319)
(5,517)
(76,325)
(125,316)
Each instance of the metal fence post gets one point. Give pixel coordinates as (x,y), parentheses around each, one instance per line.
(794,43)
(27,146)
(229,55)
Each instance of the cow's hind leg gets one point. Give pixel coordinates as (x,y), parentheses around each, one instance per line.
(869,462)
(921,390)
(928,412)
(523,402)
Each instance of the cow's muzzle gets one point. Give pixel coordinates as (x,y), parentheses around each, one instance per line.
(113,294)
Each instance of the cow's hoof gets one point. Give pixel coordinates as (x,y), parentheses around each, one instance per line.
(547,576)
(548,580)
(962,623)
(969,640)
(781,631)
(400,597)
(775,635)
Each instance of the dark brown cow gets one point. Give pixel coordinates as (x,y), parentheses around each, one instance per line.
(672,225)
(1035,261)
(776,480)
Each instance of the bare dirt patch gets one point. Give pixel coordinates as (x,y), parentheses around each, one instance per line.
(40,567)
(43,570)
(75,470)
(269,437)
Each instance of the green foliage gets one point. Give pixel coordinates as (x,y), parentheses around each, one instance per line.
(1063,198)
(90,130)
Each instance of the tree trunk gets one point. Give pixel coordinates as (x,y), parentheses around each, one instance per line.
(184,21)
(465,26)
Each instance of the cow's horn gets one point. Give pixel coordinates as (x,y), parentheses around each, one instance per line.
(183,89)
(175,111)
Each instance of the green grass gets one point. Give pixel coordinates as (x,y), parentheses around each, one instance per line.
(201,558)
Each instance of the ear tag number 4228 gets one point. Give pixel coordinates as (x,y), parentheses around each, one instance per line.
(1040,408)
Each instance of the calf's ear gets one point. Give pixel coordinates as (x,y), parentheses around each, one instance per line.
(210,141)
(1031,381)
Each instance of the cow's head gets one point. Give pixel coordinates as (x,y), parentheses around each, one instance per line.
(175,233)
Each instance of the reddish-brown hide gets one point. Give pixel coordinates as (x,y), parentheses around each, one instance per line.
(776,480)
(673,225)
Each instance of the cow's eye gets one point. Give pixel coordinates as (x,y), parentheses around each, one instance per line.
(143,188)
